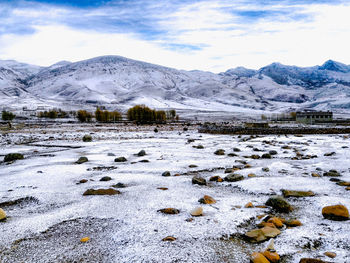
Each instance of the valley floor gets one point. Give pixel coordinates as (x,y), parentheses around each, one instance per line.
(47,214)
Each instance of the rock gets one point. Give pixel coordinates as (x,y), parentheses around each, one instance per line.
(315,175)
(276,221)
(234,178)
(84,239)
(279,204)
(198,211)
(330,254)
(13,157)
(198,146)
(105,179)
(120,159)
(216,178)
(249,205)
(109,191)
(262,234)
(263,224)
(347,188)
(83,181)
(251,175)
(335,180)
(273,152)
(335,212)
(257,257)
(199,180)
(144,161)
(162,188)
(82,159)
(87,138)
(219,152)
(273,257)
(265,169)
(293,223)
(311,260)
(155,130)
(270,231)
(119,185)
(207,200)
(255,156)
(329,154)
(2,215)
(271,246)
(236,149)
(228,170)
(343,183)
(110,154)
(166,174)
(192,166)
(232,155)
(266,156)
(169,211)
(333,173)
(292,193)
(169,238)
(141,153)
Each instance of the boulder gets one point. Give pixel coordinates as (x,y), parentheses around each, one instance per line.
(219,152)
(198,211)
(257,257)
(292,193)
(119,185)
(141,153)
(293,223)
(169,211)
(82,159)
(105,178)
(236,149)
(109,191)
(273,257)
(199,180)
(166,174)
(87,138)
(266,156)
(330,254)
(273,152)
(120,159)
(13,157)
(332,173)
(279,204)
(234,178)
(276,221)
(335,212)
(207,200)
(255,156)
(2,215)
(265,169)
(216,178)
(270,231)
(262,234)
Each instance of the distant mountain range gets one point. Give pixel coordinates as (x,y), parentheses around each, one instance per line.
(117,83)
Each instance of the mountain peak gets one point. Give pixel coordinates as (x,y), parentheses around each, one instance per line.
(335,66)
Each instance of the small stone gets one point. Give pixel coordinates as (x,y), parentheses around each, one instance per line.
(292,193)
(83,181)
(216,178)
(219,152)
(256,235)
(263,224)
(232,155)
(2,215)
(105,179)
(198,211)
(192,166)
(199,180)
(255,156)
(120,159)
(273,152)
(333,173)
(329,154)
(169,211)
(330,254)
(335,212)
(273,257)
(162,188)
(119,185)
(84,239)
(236,149)
(198,146)
(144,161)
(166,174)
(207,200)
(315,175)
(265,169)
(266,156)
(311,260)
(249,205)
(87,138)
(110,154)
(155,130)
(276,221)
(234,178)
(293,223)
(109,191)
(279,204)
(169,238)
(13,157)
(251,175)
(257,257)
(343,183)
(141,153)
(82,159)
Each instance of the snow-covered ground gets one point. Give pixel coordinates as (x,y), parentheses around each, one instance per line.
(128,228)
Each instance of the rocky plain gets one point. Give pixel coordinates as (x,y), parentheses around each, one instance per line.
(167,193)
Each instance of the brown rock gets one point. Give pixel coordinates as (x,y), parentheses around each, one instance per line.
(257,257)
(169,211)
(315,175)
(162,188)
(256,235)
(270,231)
(293,223)
(169,238)
(251,175)
(311,260)
(83,181)
(292,193)
(263,224)
(216,178)
(273,257)
(276,221)
(109,191)
(249,205)
(207,200)
(347,188)
(335,212)
(330,254)
(2,214)
(343,183)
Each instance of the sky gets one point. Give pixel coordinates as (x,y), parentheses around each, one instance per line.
(183,34)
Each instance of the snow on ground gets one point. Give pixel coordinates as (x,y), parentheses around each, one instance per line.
(128,228)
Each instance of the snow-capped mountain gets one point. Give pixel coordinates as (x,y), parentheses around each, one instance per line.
(118,82)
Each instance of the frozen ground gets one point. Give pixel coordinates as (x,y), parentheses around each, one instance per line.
(48,225)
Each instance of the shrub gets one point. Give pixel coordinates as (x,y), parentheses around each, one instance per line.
(143,114)
(84,116)
(7,116)
(107,116)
